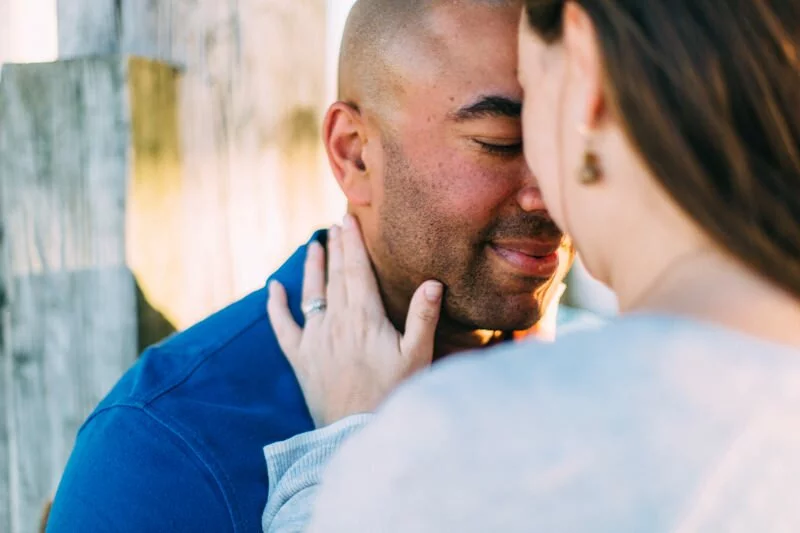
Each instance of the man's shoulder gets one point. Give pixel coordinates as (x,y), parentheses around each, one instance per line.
(176,414)
(202,403)
(201,406)
(226,371)
(237,335)
(231,356)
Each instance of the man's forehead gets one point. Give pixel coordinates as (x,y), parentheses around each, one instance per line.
(463,55)
(467,19)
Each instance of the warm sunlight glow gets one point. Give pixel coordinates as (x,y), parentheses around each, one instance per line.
(29,33)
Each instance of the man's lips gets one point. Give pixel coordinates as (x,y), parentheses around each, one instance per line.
(530,257)
(531,247)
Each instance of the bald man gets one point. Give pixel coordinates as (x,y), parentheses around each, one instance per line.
(425,143)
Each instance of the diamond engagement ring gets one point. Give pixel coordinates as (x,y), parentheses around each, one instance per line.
(312,307)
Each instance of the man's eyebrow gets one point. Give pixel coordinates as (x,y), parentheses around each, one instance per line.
(489,106)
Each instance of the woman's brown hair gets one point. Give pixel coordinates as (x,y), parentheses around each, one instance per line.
(709,93)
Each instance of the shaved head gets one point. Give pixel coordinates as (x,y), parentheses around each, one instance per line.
(382,38)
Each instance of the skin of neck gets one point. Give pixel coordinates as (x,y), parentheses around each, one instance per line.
(695,279)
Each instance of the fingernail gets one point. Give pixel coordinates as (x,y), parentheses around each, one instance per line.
(334,232)
(271,288)
(349,222)
(433,291)
(314,248)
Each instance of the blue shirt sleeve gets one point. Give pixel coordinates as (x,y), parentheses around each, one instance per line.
(131,473)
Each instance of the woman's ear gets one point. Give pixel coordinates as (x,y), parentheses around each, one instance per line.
(345,136)
(584,63)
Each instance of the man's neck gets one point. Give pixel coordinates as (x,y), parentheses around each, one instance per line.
(450,338)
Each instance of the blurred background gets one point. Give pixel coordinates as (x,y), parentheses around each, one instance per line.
(158,159)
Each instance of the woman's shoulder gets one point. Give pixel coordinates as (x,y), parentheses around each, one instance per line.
(640,403)
(624,407)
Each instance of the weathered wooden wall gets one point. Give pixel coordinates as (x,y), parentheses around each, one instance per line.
(253,182)
(253,85)
(71,326)
(6,502)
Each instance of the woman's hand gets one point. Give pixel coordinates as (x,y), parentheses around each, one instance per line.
(349,356)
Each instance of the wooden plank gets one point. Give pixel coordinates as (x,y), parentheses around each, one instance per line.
(251,102)
(149,29)
(6,452)
(63,167)
(253,182)
(101,27)
(252,97)
(88,28)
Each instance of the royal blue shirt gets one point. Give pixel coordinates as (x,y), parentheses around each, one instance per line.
(177,444)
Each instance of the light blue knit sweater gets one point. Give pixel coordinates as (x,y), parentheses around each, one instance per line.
(649,424)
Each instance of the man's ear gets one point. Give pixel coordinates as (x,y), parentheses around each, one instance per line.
(344,133)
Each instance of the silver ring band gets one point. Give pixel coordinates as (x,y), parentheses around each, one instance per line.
(312,307)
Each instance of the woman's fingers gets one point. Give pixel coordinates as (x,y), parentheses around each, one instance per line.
(337,295)
(423,315)
(360,283)
(286,329)
(314,276)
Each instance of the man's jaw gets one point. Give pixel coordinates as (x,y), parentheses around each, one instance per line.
(452,336)
(452,339)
